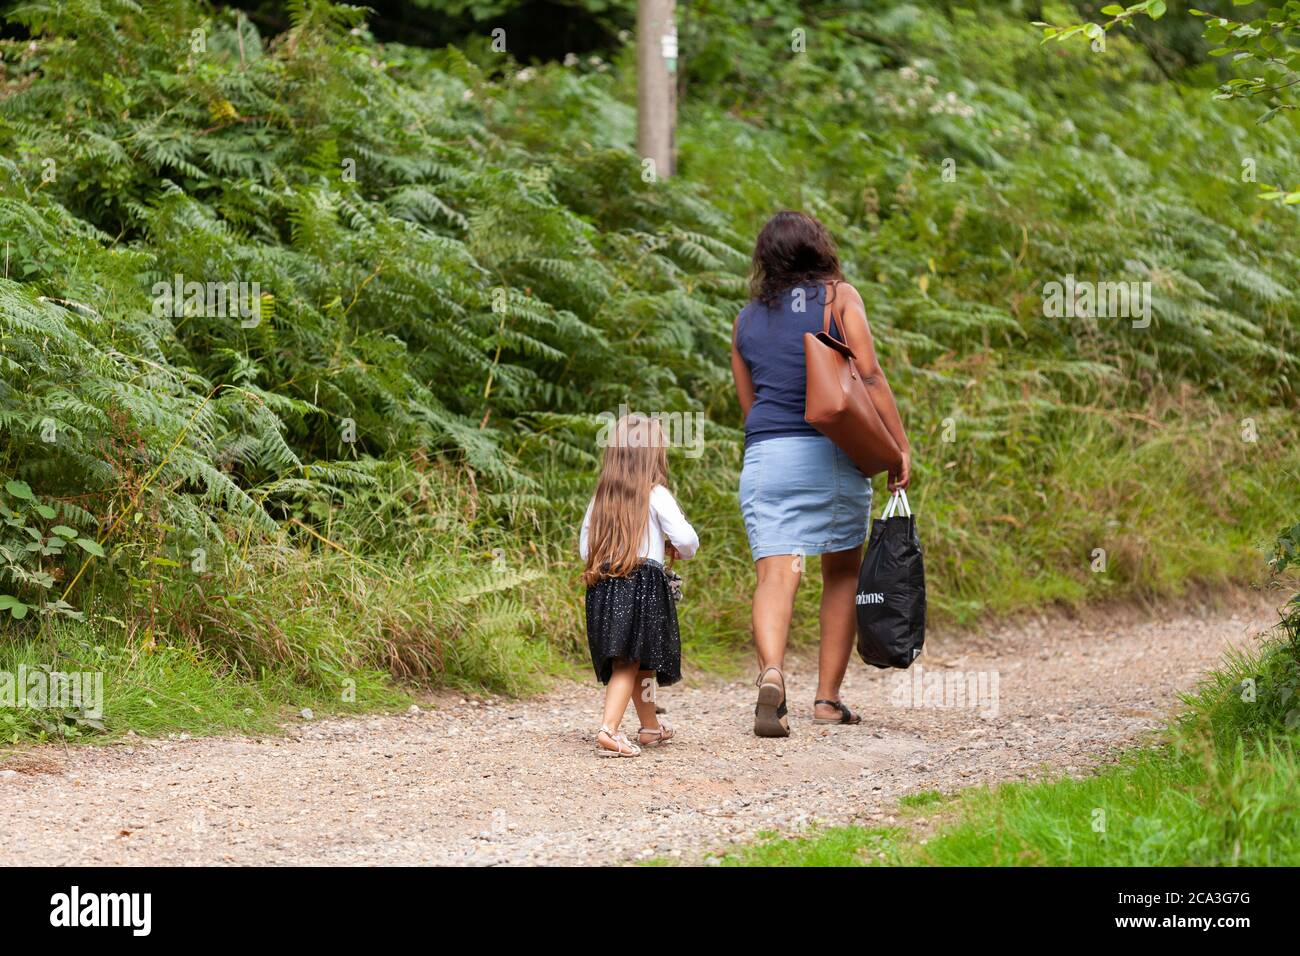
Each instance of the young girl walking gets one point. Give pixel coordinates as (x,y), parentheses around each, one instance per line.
(631,525)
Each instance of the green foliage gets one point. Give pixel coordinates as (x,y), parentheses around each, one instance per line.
(421,284)
(483,10)
(1286,553)
(1265,46)
(34,547)
(459,265)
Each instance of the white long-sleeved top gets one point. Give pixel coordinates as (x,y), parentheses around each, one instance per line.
(666,521)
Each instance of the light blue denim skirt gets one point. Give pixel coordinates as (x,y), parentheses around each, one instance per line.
(802,495)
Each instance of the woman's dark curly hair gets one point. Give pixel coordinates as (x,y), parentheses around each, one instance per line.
(792,249)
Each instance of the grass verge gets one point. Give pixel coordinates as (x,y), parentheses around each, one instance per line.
(157,691)
(1221,789)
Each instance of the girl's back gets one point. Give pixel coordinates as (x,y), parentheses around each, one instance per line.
(664,522)
(631,613)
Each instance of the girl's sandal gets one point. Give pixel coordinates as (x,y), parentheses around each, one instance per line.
(770,718)
(622,746)
(658,735)
(846,716)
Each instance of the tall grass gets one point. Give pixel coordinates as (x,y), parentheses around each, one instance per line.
(498,273)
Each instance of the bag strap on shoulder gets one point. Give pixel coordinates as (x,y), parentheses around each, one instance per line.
(842,343)
(826,311)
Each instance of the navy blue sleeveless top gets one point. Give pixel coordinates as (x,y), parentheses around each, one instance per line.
(770,340)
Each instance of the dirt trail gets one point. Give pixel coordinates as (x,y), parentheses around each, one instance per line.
(511,782)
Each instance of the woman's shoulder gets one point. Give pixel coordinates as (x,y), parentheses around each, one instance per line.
(844,288)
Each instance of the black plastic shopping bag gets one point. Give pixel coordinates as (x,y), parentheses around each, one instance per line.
(891,589)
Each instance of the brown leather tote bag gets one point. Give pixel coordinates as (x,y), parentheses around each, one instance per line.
(838,404)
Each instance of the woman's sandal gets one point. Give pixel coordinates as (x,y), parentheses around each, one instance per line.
(659,735)
(846,716)
(770,718)
(622,746)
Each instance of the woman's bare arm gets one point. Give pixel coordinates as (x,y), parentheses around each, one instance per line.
(740,372)
(851,315)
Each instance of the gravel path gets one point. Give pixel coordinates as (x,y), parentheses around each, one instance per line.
(517,782)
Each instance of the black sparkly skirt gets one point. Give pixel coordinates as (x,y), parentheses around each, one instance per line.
(634,619)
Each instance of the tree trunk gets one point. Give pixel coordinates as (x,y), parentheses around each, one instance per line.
(656,95)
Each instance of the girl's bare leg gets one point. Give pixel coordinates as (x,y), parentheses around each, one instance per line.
(643,698)
(619,690)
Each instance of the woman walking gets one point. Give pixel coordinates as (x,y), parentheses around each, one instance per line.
(800,495)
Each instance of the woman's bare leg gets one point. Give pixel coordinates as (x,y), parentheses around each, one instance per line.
(778,580)
(838,624)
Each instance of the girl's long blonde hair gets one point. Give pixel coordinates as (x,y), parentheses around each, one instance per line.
(635,460)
